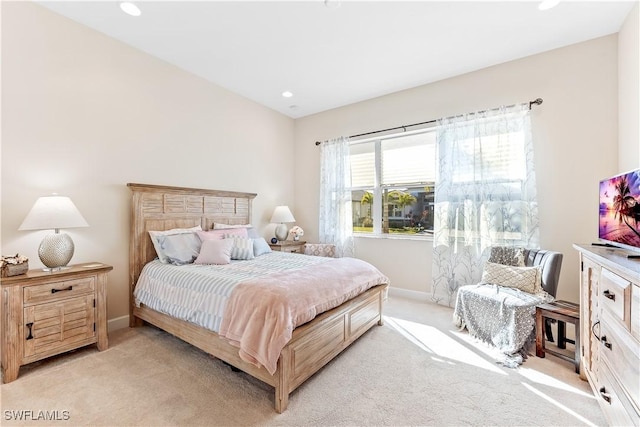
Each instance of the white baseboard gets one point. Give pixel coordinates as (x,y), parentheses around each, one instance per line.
(406,293)
(118,323)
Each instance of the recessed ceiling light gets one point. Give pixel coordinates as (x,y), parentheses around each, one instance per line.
(287,94)
(130,8)
(548,4)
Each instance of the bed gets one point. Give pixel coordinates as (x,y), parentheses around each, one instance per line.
(312,344)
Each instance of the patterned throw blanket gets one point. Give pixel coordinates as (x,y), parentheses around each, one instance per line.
(500,316)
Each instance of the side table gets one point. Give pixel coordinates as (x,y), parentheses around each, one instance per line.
(563,312)
(47,313)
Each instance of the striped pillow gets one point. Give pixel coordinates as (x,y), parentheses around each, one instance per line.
(242,248)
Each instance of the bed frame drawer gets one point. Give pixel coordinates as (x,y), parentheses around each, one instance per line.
(311,350)
(364,317)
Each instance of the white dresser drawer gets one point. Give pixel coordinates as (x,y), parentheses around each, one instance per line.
(616,406)
(621,353)
(614,294)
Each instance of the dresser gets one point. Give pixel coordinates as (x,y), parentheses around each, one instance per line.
(610,330)
(47,313)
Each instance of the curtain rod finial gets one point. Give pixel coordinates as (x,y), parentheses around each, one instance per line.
(537,101)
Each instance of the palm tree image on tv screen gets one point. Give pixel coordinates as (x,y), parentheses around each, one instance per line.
(620,209)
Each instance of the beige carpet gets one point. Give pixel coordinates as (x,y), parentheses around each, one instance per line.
(415,370)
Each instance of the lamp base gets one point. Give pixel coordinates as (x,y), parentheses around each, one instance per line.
(282,232)
(51,270)
(56,250)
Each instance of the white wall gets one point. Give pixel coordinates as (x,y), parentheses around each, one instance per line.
(84,114)
(575,137)
(629,92)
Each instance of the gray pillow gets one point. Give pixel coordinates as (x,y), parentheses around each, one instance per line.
(507,255)
(260,246)
(180,249)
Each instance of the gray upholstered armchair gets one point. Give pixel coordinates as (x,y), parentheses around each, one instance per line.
(500,310)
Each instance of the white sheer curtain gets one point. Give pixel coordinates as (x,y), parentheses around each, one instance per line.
(485,194)
(336,222)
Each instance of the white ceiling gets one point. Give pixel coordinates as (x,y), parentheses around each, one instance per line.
(329,57)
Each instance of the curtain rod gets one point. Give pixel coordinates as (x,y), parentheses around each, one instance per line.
(536,101)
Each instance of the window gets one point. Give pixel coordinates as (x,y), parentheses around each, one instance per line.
(392,183)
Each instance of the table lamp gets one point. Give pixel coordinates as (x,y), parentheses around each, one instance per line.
(54,212)
(281,215)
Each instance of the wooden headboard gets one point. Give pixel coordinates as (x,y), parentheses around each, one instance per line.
(157,207)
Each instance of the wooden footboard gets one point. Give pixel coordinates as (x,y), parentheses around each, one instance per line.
(312,346)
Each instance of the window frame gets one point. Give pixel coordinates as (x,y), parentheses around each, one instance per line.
(379,188)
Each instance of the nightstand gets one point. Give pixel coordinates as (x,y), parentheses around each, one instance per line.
(293,246)
(47,313)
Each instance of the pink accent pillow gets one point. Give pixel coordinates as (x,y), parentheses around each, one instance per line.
(215,252)
(219,234)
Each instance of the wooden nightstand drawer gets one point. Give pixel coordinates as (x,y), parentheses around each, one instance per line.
(52,326)
(54,291)
(294,247)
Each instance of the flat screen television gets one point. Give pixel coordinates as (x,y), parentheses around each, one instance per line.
(619,222)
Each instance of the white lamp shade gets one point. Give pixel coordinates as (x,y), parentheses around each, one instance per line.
(53,212)
(282,214)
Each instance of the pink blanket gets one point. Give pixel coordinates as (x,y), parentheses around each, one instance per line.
(261,314)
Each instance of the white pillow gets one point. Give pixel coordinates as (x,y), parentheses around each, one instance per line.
(158,247)
(527,279)
(215,252)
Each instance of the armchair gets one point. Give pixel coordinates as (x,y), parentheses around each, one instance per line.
(500,311)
